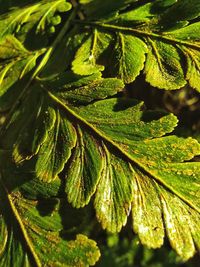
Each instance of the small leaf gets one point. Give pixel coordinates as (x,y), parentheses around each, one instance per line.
(128,57)
(114,192)
(54,154)
(38,15)
(163,68)
(147,212)
(83,90)
(96,9)
(29,126)
(84,171)
(177,223)
(193,72)
(16,62)
(192,55)
(85,62)
(182,11)
(190,32)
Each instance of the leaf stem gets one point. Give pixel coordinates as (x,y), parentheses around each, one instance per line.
(116,146)
(138,32)
(21,225)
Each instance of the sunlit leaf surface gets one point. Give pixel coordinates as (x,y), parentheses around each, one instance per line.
(158,38)
(71,135)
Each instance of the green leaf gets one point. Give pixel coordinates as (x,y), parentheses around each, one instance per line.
(54,154)
(38,15)
(16,62)
(114,192)
(83,90)
(179,225)
(34,240)
(128,57)
(29,127)
(163,66)
(147,211)
(84,63)
(84,171)
(119,155)
(182,11)
(144,37)
(191,54)
(36,121)
(67,138)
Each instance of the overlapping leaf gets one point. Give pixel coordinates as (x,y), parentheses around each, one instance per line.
(156,38)
(64,137)
(21,45)
(16,62)
(113,149)
(36,16)
(83,89)
(33,227)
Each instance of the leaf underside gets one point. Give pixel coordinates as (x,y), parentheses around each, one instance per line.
(69,137)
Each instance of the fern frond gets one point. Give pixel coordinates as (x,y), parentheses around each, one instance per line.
(158,38)
(68,135)
(115,150)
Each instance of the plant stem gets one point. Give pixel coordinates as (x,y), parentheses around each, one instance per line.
(159,35)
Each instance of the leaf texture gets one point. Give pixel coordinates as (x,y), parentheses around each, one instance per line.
(144,37)
(83,89)
(117,152)
(69,137)
(35,16)
(16,63)
(33,240)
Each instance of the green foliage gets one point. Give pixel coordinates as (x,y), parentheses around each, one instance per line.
(34,240)
(155,37)
(38,15)
(70,133)
(16,63)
